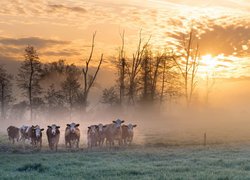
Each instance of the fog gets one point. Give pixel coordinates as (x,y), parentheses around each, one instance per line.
(225,119)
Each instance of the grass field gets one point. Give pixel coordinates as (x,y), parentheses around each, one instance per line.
(223,161)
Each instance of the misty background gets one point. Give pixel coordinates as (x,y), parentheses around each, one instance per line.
(216,102)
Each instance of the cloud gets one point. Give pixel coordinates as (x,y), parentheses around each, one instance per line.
(33,41)
(226,40)
(61,7)
(63,52)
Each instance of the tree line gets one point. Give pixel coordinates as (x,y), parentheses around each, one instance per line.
(144,79)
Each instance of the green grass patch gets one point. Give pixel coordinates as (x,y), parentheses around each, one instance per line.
(32,167)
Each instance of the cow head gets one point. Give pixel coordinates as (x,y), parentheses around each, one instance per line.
(72,127)
(131,127)
(101,127)
(53,128)
(37,130)
(118,123)
(92,129)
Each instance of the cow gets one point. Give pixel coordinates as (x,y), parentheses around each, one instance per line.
(114,132)
(128,133)
(72,135)
(101,134)
(53,135)
(92,136)
(26,132)
(36,135)
(13,133)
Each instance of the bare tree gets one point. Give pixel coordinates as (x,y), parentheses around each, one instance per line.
(5,91)
(122,71)
(169,81)
(188,64)
(89,79)
(150,69)
(29,75)
(134,69)
(146,76)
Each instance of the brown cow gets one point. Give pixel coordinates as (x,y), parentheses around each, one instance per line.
(101,134)
(92,136)
(114,132)
(128,133)
(53,135)
(36,135)
(72,135)
(13,133)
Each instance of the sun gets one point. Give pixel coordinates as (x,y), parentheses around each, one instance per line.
(209,62)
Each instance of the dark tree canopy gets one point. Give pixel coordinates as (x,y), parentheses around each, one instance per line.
(5,91)
(29,75)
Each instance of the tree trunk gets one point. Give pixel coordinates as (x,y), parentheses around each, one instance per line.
(163,82)
(122,81)
(30,91)
(2,104)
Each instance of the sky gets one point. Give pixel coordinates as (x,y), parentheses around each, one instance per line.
(62,29)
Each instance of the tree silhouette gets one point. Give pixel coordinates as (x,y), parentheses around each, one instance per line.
(70,89)
(55,101)
(29,75)
(134,69)
(109,96)
(188,64)
(5,91)
(122,73)
(89,79)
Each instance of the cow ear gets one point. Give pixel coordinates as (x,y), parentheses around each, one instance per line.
(42,129)
(57,127)
(68,125)
(123,121)
(89,127)
(104,126)
(49,126)
(134,125)
(77,125)
(96,126)
(114,121)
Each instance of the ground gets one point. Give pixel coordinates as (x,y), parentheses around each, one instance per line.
(217,161)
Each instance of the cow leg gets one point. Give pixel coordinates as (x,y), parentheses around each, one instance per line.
(101,142)
(126,141)
(70,144)
(131,139)
(77,143)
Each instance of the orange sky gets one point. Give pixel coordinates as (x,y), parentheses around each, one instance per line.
(63,28)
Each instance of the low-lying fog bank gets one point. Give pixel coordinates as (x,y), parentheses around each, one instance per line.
(175,127)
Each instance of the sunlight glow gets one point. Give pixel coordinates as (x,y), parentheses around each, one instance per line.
(209,61)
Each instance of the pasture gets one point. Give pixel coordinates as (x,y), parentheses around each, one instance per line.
(158,161)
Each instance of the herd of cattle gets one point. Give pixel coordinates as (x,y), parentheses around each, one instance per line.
(96,134)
